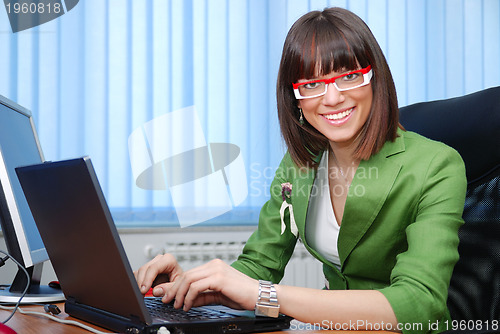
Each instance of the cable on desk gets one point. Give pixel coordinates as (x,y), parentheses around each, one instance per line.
(52,317)
(2,260)
(28,280)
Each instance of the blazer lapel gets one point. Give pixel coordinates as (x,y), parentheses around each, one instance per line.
(301,191)
(302,187)
(368,192)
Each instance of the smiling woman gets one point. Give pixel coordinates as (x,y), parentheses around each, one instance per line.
(387,240)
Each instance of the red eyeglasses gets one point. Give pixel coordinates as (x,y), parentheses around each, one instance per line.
(346,81)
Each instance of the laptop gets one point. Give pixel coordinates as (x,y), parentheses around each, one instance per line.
(89,260)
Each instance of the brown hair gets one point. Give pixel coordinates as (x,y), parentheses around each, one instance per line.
(333,40)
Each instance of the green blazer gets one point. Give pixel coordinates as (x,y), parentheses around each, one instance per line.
(399,231)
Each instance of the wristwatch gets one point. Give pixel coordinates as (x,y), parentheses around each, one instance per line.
(267,303)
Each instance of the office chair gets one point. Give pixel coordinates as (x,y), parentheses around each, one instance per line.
(471,125)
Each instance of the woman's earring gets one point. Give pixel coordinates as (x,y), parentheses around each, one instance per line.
(301,117)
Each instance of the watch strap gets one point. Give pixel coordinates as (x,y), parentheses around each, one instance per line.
(267,302)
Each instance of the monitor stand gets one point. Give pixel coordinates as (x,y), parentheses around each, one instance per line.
(36,293)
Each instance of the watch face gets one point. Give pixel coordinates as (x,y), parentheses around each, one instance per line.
(267,303)
(267,311)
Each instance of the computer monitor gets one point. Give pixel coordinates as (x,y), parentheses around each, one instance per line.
(19,146)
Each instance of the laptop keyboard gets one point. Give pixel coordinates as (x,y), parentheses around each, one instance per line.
(167,312)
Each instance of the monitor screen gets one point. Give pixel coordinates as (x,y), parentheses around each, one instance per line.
(19,146)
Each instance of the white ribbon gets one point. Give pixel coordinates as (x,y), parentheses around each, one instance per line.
(293,226)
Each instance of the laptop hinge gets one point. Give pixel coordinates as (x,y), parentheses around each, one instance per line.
(103,318)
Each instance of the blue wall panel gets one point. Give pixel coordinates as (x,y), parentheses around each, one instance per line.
(104,69)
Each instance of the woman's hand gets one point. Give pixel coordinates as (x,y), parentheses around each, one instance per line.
(213,283)
(160,273)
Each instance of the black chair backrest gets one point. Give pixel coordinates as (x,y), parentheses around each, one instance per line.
(471,125)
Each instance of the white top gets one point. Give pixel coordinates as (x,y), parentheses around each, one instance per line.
(322,228)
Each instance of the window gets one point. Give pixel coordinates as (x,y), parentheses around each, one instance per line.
(108,68)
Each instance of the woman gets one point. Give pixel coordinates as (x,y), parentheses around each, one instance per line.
(380,207)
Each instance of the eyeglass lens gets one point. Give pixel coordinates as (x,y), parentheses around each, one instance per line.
(345,82)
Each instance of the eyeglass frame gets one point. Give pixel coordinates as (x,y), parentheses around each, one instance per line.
(367,77)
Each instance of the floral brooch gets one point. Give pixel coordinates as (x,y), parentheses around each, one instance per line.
(286,194)
(286,191)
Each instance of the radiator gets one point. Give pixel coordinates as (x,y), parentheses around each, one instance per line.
(302,270)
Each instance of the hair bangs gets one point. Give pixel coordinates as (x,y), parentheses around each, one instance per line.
(326,49)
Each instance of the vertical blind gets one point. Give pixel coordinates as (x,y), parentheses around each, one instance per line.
(106,68)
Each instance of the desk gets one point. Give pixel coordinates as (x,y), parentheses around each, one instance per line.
(36,324)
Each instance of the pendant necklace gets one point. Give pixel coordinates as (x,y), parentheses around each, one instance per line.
(340,169)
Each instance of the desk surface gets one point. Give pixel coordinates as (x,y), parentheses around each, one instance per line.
(38,324)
